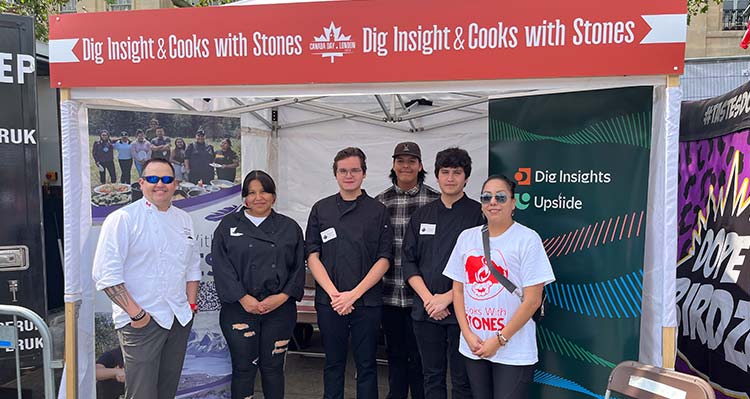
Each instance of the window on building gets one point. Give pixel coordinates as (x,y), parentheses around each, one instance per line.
(68,7)
(121,5)
(210,2)
(734,17)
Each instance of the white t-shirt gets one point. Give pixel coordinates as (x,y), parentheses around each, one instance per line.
(254,219)
(518,253)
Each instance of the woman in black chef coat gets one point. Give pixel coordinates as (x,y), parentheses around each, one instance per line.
(259,271)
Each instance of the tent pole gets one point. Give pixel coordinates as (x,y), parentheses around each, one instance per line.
(404,117)
(406,110)
(71,327)
(668,334)
(387,113)
(342,115)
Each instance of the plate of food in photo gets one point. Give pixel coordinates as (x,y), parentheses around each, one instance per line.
(186,185)
(221,183)
(179,195)
(196,191)
(110,199)
(112,188)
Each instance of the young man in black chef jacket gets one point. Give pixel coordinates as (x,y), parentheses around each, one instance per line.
(349,246)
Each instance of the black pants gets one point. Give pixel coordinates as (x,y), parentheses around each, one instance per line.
(363,325)
(438,345)
(125,166)
(404,363)
(499,381)
(257,342)
(108,166)
(205,174)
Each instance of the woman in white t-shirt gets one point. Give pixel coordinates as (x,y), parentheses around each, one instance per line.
(498,337)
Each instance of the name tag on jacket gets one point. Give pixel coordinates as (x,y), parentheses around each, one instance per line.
(328,234)
(426,229)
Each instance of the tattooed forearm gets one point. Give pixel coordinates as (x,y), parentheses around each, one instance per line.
(121,297)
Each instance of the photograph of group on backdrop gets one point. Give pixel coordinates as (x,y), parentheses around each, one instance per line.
(204,150)
(205,154)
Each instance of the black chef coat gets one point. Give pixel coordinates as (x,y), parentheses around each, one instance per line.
(363,234)
(428,242)
(258,260)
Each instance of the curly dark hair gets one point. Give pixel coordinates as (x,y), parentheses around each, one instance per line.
(453,157)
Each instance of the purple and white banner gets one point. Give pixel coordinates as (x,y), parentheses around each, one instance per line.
(713,273)
(114,173)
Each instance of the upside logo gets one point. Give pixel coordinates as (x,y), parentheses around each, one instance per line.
(523,176)
(522,201)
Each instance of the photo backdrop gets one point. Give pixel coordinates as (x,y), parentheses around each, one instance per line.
(581,161)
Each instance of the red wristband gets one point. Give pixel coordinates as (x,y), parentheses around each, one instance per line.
(194,307)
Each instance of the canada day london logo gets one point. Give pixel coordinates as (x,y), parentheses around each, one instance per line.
(332,43)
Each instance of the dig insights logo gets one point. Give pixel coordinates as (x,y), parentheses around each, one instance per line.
(523,176)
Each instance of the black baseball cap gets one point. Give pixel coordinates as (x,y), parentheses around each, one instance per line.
(407,148)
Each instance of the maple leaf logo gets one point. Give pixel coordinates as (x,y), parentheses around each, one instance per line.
(332,30)
(332,43)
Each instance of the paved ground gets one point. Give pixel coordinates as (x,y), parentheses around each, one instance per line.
(304,377)
(304,374)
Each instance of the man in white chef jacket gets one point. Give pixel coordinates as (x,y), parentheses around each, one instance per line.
(147,263)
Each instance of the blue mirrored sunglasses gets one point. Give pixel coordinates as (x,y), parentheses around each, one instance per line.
(155,179)
(486,198)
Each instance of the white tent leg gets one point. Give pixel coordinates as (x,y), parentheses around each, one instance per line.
(660,257)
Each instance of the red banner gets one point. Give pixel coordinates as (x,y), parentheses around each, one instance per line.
(367,41)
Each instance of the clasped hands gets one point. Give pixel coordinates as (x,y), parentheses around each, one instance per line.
(483,349)
(437,305)
(267,305)
(343,302)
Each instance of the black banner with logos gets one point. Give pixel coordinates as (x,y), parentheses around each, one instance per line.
(581,161)
(22,273)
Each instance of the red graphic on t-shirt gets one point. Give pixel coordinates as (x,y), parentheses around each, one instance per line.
(482,283)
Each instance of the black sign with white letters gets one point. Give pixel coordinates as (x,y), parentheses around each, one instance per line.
(22,273)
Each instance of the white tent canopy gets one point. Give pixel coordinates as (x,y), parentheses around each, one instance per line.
(315,121)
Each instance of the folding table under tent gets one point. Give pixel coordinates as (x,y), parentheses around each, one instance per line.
(307,79)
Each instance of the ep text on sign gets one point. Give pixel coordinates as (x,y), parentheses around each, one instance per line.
(15,67)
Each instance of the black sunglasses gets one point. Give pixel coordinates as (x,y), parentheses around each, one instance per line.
(500,197)
(155,179)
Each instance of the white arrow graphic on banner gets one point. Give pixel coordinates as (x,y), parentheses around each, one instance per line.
(61,50)
(666,28)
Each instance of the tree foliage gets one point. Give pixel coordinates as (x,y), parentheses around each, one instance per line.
(696,7)
(38,9)
(41,9)
(199,3)
(175,125)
